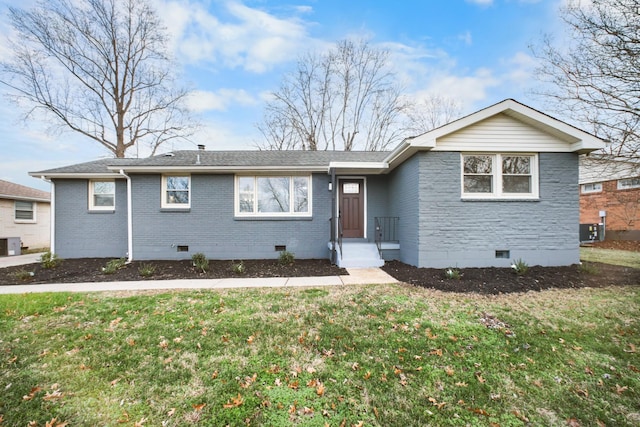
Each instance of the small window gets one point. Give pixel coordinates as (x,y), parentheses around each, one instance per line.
(102,195)
(503,254)
(273,196)
(176,191)
(500,176)
(594,187)
(625,184)
(25,211)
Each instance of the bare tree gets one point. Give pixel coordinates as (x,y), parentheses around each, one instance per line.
(97,67)
(431,112)
(345,99)
(594,78)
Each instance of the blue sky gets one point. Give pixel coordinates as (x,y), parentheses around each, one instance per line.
(233,53)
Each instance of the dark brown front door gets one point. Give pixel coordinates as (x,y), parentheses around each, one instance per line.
(352,207)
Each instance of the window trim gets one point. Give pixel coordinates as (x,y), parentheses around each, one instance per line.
(163,193)
(32,220)
(92,206)
(496,178)
(630,187)
(583,188)
(256,214)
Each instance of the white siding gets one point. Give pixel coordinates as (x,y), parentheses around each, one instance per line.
(33,235)
(504,134)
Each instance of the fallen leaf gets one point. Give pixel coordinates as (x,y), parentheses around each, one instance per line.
(572,422)
(140,423)
(171,412)
(320,389)
(198,407)
(449,370)
(621,390)
(480,378)
(250,339)
(32,393)
(632,348)
(234,402)
(367,375)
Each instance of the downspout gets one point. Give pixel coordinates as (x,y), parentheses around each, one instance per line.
(334,224)
(52,215)
(129,218)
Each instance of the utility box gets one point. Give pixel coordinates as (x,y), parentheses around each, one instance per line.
(9,246)
(591,232)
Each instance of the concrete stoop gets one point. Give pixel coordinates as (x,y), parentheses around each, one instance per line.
(359,255)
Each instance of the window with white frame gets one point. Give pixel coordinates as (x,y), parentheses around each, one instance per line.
(500,176)
(273,195)
(24,211)
(625,184)
(176,191)
(592,187)
(102,195)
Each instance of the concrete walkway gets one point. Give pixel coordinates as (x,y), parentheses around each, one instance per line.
(357,276)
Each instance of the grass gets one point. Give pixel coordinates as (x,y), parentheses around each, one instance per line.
(389,355)
(611,256)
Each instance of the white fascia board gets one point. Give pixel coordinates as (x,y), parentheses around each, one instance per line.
(217,169)
(359,165)
(24,198)
(76,175)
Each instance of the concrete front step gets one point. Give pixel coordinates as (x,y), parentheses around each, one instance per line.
(359,255)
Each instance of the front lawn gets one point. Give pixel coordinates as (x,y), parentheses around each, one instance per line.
(611,256)
(389,355)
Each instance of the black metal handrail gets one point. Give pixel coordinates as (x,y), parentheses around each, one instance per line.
(386,230)
(340,233)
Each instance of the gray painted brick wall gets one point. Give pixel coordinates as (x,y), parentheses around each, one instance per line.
(462,233)
(404,185)
(210,227)
(80,233)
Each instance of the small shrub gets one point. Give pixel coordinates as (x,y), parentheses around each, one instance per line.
(23,275)
(452,273)
(520,267)
(114,265)
(147,270)
(238,268)
(49,260)
(200,261)
(588,268)
(286,258)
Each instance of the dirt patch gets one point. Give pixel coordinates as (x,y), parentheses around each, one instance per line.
(623,245)
(90,270)
(505,280)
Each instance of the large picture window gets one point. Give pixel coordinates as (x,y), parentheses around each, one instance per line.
(102,195)
(273,195)
(499,176)
(176,191)
(24,211)
(624,184)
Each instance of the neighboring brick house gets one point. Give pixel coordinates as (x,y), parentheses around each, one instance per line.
(611,186)
(25,214)
(492,187)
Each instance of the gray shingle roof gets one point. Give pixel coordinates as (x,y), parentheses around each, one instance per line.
(240,159)
(10,190)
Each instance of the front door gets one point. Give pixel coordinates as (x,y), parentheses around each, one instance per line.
(352,207)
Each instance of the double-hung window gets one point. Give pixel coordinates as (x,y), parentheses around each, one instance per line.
(24,211)
(273,195)
(102,195)
(624,184)
(176,191)
(500,176)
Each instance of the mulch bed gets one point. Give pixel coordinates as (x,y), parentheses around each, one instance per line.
(90,270)
(479,280)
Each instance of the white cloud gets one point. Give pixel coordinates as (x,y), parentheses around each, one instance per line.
(235,36)
(466,38)
(481,2)
(200,101)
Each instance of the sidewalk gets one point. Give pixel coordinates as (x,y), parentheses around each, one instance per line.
(357,276)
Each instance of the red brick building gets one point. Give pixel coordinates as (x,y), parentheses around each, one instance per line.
(610,194)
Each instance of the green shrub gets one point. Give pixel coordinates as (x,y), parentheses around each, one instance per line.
(452,273)
(588,268)
(200,261)
(520,267)
(114,265)
(49,260)
(238,268)
(286,258)
(147,270)
(23,275)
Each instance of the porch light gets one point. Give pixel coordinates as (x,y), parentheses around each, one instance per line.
(330,186)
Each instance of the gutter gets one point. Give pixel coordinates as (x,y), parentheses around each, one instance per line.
(52,215)
(129,218)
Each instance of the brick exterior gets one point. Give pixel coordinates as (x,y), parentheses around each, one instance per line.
(622,208)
